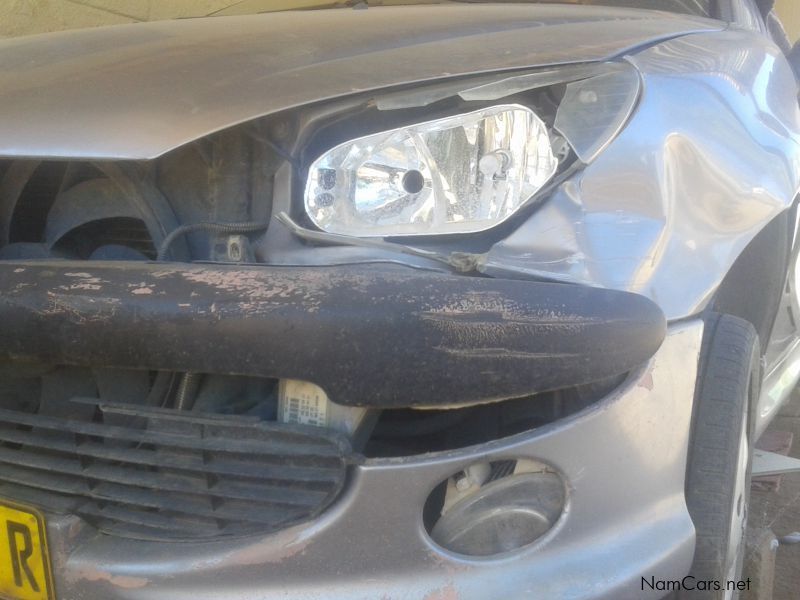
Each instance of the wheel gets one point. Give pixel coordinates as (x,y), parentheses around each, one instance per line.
(720,452)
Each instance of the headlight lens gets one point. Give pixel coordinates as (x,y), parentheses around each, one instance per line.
(594,110)
(458,174)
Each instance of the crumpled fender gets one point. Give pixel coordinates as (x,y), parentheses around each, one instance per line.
(711,156)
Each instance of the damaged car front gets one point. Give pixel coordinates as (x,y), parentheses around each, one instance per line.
(386,301)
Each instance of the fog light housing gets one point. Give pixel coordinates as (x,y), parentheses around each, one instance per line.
(500,516)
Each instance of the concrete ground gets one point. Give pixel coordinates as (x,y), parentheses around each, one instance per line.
(780,510)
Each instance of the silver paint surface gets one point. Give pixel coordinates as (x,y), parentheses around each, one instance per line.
(711,155)
(138,91)
(623,460)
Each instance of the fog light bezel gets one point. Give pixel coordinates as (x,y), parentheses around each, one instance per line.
(527,473)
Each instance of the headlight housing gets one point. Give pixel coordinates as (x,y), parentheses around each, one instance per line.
(458,174)
(469,172)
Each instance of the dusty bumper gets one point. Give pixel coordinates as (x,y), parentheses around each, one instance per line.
(623,460)
(378,335)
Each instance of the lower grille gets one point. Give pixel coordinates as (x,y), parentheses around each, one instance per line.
(164,474)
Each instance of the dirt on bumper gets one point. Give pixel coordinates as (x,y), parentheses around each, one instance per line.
(370,335)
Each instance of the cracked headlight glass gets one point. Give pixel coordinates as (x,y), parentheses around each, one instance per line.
(457,174)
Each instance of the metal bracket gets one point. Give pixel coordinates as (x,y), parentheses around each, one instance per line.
(769,463)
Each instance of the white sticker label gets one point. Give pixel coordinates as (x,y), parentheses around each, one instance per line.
(302,402)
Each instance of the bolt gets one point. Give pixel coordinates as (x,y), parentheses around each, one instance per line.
(462,482)
(792,538)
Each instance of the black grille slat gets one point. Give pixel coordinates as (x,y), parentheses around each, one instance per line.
(182,476)
(191,464)
(127,495)
(179,503)
(125,519)
(115,432)
(160,481)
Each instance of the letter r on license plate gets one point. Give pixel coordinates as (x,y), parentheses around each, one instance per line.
(24,561)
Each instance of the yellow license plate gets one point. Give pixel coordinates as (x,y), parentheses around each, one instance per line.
(24,559)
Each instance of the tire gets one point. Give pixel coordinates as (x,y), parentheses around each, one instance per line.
(720,452)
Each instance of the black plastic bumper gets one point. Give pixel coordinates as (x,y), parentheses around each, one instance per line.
(369,335)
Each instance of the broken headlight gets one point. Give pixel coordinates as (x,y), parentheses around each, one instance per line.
(468,172)
(458,174)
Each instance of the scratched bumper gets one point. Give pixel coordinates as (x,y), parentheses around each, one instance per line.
(623,460)
(369,335)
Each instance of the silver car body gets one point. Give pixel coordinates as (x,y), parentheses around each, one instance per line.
(709,158)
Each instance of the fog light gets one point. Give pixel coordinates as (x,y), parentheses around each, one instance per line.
(502,515)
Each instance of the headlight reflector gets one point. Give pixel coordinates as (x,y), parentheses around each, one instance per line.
(457,174)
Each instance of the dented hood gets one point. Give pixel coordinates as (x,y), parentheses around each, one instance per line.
(138,91)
